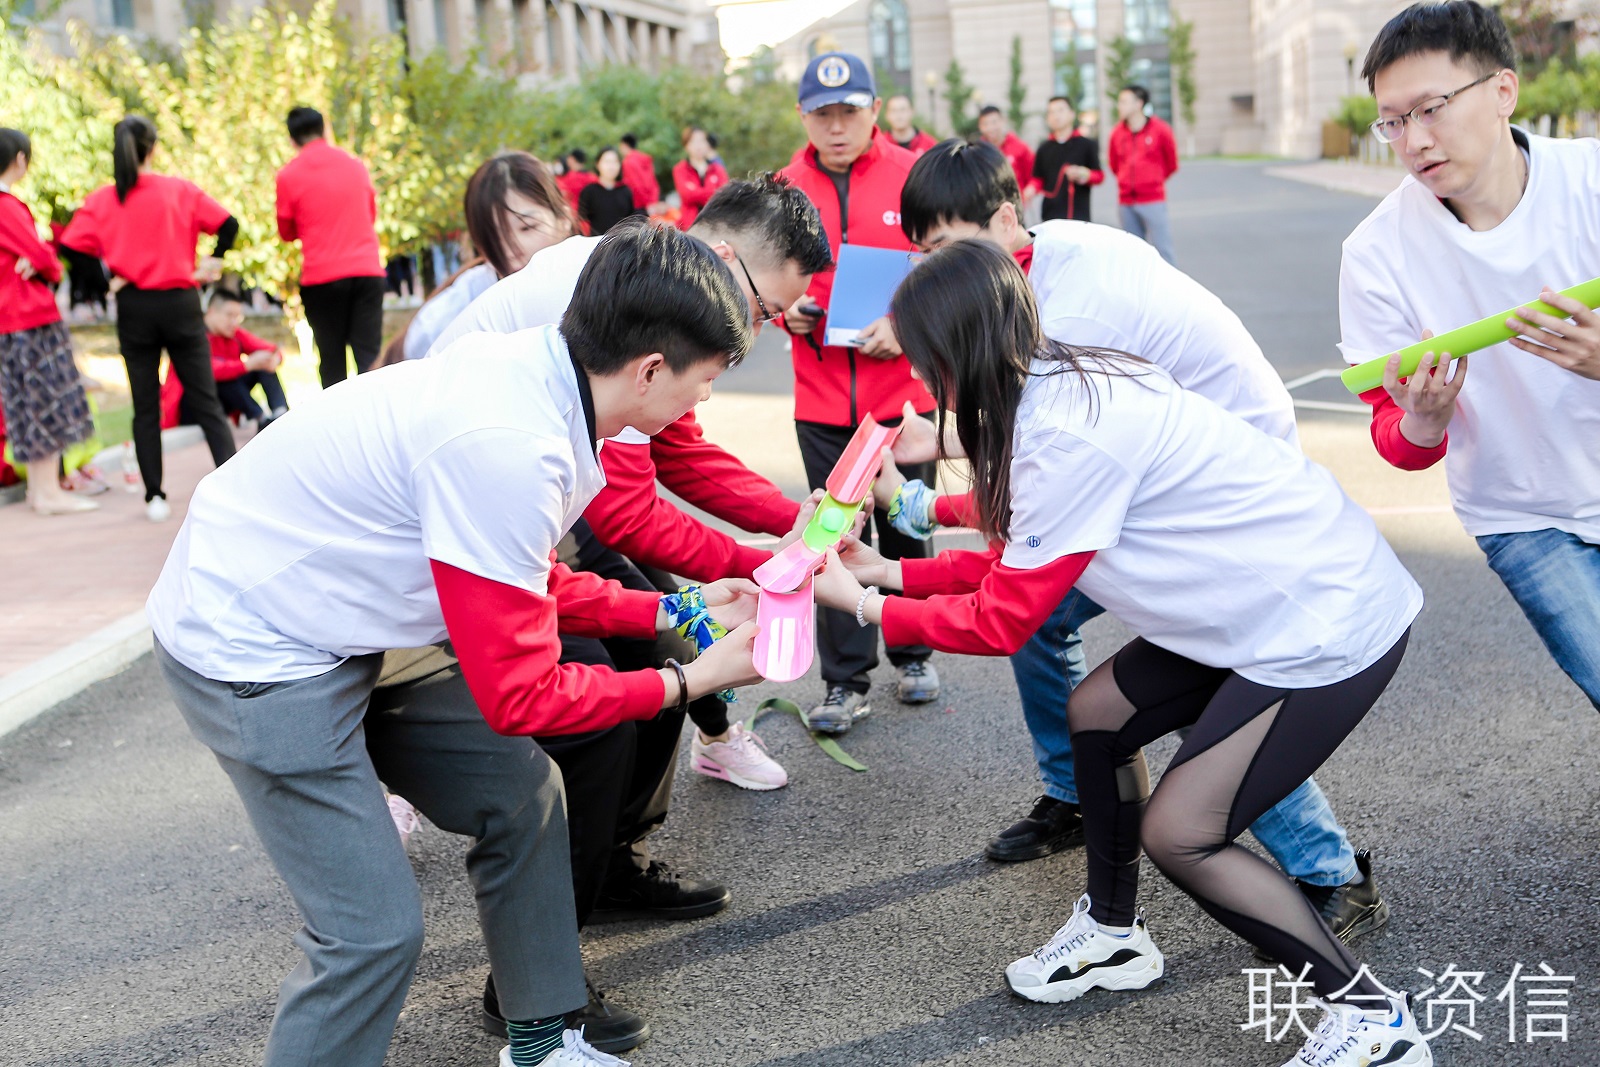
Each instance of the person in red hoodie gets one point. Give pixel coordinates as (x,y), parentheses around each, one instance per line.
(44,405)
(327,201)
(853,173)
(241,361)
(1143,155)
(639,174)
(696,176)
(900,117)
(992,128)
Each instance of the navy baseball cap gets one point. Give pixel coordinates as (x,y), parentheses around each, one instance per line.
(836,78)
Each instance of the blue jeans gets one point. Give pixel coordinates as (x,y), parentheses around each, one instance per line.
(1149,222)
(1301,832)
(1555,578)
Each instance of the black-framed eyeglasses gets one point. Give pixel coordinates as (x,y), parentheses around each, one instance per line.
(1425,114)
(766,316)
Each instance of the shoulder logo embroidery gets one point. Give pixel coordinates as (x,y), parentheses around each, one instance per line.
(833,72)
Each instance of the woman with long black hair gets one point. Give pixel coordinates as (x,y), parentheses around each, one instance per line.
(1271,615)
(146,226)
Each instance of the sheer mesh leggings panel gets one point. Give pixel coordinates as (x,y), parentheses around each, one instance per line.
(1251,745)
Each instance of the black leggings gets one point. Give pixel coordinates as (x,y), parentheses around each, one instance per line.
(1251,745)
(149,320)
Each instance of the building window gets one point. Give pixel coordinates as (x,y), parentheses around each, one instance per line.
(122,14)
(890,29)
(397,15)
(482,13)
(1147,21)
(1154,74)
(441,25)
(1072,24)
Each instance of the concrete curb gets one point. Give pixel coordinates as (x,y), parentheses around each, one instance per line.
(36,688)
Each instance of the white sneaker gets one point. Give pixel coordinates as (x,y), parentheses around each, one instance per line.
(742,759)
(574,1052)
(1350,1037)
(1081,957)
(157,509)
(405,819)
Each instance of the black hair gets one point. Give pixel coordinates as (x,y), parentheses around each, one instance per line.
(969,324)
(305,125)
(14,143)
(956,181)
(489,217)
(1464,29)
(132,141)
(630,140)
(1138,90)
(577,155)
(1064,99)
(650,288)
(989,109)
(221,295)
(771,222)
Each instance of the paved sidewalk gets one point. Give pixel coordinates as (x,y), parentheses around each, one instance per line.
(1344,176)
(75,587)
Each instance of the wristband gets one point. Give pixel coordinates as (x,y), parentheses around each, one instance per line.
(861,605)
(683,686)
(911,510)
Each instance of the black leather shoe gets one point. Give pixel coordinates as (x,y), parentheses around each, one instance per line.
(658,892)
(605,1026)
(1350,910)
(1052,825)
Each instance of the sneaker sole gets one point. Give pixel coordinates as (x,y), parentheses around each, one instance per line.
(834,729)
(712,769)
(923,697)
(1136,974)
(622,915)
(1035,852)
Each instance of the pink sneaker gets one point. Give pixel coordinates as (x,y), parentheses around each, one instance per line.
(742,759)
(405,819)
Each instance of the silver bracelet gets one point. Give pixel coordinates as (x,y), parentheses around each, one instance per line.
(861,605)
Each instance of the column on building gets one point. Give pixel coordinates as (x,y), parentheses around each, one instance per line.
(645,55)
(596,19)
(620,44)
(568,14)
(663,49)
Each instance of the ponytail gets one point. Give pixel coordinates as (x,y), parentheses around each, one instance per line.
(132,140)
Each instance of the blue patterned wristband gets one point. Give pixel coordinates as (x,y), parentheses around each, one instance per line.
(911,510)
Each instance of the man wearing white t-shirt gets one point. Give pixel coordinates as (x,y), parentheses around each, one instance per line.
(397,510)
(1488,216)
(1098,286)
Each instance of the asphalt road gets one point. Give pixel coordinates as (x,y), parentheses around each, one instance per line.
(141,925)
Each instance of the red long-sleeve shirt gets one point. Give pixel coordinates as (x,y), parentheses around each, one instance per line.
(25,305)
(1392,445)
(971,603)
(629,515)
(694,190)
(148,239)
(639,175)
(508,642)
(227,353)
(326,199)
(1143,161)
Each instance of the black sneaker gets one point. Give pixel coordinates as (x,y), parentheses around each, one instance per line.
(1052,825)
(1351,909)
(657,893)
(606,1027)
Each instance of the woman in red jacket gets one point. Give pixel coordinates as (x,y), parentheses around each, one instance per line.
(697,176)
(44,404)
(145,226)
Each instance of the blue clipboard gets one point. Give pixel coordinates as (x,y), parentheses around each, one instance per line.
(862,287)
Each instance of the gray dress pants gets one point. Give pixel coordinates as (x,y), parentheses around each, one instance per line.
(307,758)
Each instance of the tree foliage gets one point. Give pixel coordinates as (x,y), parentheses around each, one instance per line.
(1016,88)
(219,99)
(1119,65)
(1180,57)
(958,94)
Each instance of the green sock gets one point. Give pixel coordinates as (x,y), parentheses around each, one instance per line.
(532,1041)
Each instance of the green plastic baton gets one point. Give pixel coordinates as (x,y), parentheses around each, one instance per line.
(1463,340)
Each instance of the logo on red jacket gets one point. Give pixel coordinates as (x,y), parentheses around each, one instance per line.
(891,218)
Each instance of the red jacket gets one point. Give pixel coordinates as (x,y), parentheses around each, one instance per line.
(639,174)
(1143,161)
(629,515)
(326,199)
(921,141)
(572,183)
(150,238)
(694,190)
(836,385)
(25,305)
(227,353)
(1020,156)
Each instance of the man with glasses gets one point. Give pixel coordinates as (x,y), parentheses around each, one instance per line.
(853,172)
(1490,215)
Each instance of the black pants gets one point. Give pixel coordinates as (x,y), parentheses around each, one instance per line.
(850,652)
(346,312)
(1250,746)
(235,393)
(148,321)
